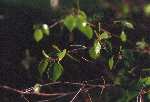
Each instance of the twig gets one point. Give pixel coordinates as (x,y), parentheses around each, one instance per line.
(141,94)
(87,60)
(89,97)
(76,83)
(104,82)
(56,23)
(29,93)
(52,96)
(77,94)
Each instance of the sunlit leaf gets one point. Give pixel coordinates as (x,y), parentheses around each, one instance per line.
(70,22)
(123,36)
(141,44)
(37,88)
(87,31)
(45,29)
(83,14)
(94,52)
(43,65)
(111,62)
(38,35)
(57,71)
(147,9)
(145,81)
(62,54)
(104,35)
(81,22)
(128,24)
(125,24)
(84,27)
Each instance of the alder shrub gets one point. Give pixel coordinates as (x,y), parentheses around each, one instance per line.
(123,59)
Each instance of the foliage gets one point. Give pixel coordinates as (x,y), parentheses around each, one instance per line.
(120,59)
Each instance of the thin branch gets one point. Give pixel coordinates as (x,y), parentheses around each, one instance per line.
(29,92)
(104,82)
(20,92)
(56,23)
(77,94)
(88,96)
(79,84)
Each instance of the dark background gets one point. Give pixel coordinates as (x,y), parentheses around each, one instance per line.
(16,37)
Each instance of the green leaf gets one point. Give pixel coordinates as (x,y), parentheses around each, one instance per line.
(88,31)
(141,44)
(83,14)
(125,23)
(62,54)
(94,52)
(38,35)
(81,22)
(104,35)
(123,36)
(128,24)
(145,81)
(57,71)
(70,22)
(45,29)
(37,88)
(84,27)
(147,9)
(111,62)
(43,65)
